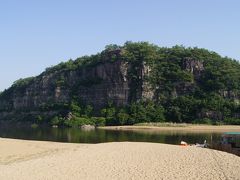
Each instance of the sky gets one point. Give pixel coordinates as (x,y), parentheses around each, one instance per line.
(41,33)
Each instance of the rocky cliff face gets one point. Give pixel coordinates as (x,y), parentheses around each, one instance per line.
(122,76)
(105,82)
(93,85)
(193,66)
(96,86)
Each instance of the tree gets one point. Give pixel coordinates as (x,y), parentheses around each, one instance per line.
(122,117)
(110,114)
(75,108)
(88,111)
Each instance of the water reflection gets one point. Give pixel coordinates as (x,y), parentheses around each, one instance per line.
(100,135)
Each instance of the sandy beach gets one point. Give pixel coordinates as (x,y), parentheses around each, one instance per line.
(185,128)
(20,159)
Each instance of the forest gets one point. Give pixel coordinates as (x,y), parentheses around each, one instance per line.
(190,85)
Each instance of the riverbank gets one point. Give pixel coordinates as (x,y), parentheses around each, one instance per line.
(21,159)
(178,127)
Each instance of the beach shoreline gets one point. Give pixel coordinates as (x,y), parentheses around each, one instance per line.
(186,128)
(23,159)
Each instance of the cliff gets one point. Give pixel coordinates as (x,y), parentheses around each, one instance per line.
(132,73)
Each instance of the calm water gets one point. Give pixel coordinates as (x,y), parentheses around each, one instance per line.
(100,135)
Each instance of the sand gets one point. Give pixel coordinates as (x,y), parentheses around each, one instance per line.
(33,160)
(187,128)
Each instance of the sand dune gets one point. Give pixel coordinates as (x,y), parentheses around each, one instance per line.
(62,161)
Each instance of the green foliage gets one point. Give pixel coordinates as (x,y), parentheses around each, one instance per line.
(168,73)
(34,126)
(211,96)
(204,121)
(182,109)
(158,114)
(23,82)
(146,112)
(99,121)
(57,121)
(61,81)
(122,117)
(138,113)
(18,87)
(135,113)
(39,119)
(75,108)
(110,114)
(88,110)
(231,120)
(78,122)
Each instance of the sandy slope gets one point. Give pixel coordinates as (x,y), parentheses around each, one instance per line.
(47,160)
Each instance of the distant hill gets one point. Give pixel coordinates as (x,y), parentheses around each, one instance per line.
(137,82)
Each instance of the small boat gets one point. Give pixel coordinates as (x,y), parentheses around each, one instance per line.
(204,145)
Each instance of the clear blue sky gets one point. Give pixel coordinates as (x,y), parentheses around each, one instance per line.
(35,34)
